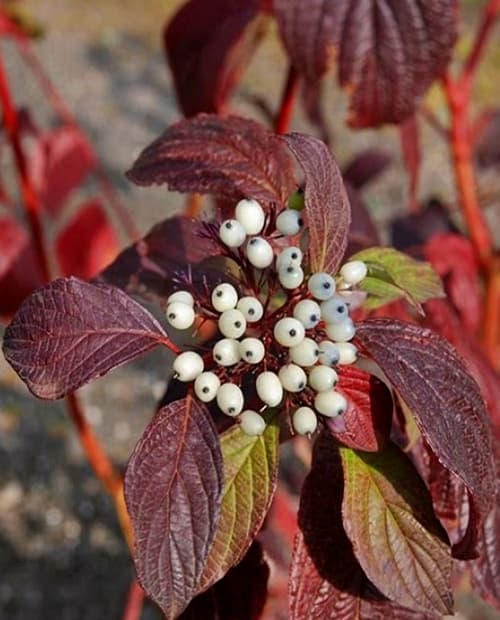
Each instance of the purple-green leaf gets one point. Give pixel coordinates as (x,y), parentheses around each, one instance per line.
(72,331)
(173,488)
(230,157)
(388,516)
(444,399)
(326,203)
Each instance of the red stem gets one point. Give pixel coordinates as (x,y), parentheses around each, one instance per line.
(135,600)
(284,118)
(30,198)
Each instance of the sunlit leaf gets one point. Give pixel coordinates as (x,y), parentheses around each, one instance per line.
(392,274)
(250,473)
(388,516)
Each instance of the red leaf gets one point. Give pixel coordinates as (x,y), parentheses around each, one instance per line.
(455,260)
(369,414)
(59,163)
(363,233)
(239,595)
(230,157)
(88,243)
(326,203)
(71,331)
(410,145)
(173,488)
(442,396)
(23,277)
(388,53)
(208,46)
(366,166)
(13,241)
(147,268)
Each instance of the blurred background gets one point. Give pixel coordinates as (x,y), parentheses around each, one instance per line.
(61,552)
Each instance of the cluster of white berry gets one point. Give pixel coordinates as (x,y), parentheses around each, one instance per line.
(301,340)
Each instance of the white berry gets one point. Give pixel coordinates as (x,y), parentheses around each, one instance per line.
(292,377)
(348,353)
(251,308)
(353,272)
(183,297)
(291,277)
(188,365)
(323,378)
(259,252)
(232,323)
(308,313)
(306,353)
(232,233)
(334,310)
(341,332)
(179,315)
(321,286)
(330,403)
(289,332)
(289,256)
(329,353)
(252,350)
(230,399)
(250,215)
(252,423)
(304,421)
(224,297)
(269,388)
(206,386)
(289,222)
(226,352)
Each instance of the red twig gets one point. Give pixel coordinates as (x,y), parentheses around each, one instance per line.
(30,198)
(491,322)
(135,601)
(285,113)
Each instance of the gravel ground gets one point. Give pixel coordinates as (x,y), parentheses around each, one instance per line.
(61,553)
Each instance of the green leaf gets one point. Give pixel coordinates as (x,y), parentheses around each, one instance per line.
(392,275)
(250,474)
(388,516)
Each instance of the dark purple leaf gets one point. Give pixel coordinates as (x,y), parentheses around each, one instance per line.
(327,206)
(147,268)
(486,569)
(387,52)
(173,488)
(13,240)
(486,137)
(368,417)
(239,595)
(366,166)
(446,402)
(208,46)
(71,331)
(230,157)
